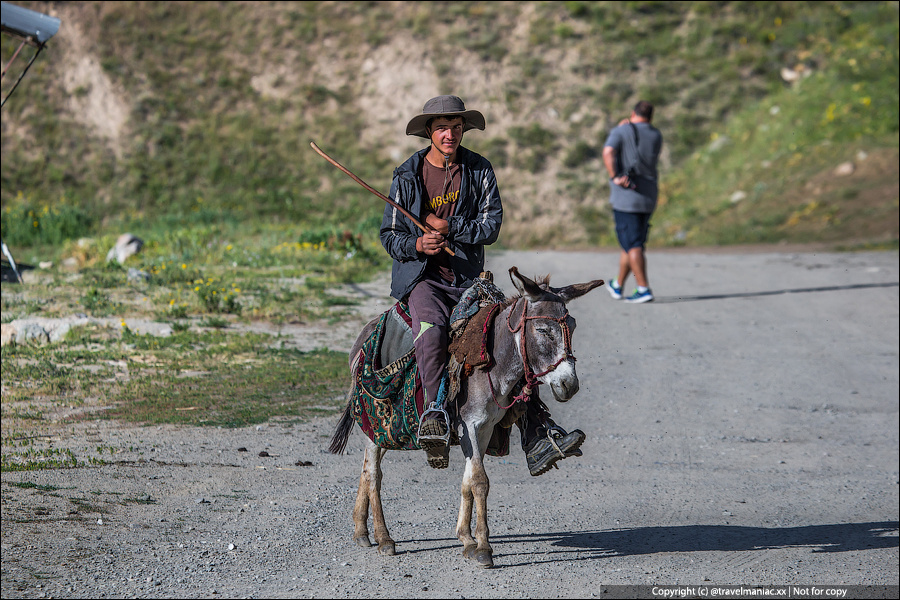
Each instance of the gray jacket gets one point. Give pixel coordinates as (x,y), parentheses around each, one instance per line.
(475,223)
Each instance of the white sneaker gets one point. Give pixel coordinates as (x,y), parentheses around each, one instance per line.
(614,289)
(640,297)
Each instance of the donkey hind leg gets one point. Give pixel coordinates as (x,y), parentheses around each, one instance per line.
(369,495)
(475,488)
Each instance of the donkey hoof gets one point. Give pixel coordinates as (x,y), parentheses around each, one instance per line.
(387,549)
(363,541)
(485,559)
(469,551)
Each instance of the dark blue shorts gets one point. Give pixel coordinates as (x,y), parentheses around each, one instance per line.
(632,229)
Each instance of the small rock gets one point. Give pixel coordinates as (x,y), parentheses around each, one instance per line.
(719,143)
(738,196)
(789,75)
(127,245)
(32,333)
(137,275)
(844,169)
(7,334)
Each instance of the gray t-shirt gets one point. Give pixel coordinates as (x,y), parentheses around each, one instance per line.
(640,154)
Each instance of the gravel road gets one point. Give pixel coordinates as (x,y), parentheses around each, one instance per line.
(741,430)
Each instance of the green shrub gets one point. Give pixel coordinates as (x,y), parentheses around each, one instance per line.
(26,223)
(579,154)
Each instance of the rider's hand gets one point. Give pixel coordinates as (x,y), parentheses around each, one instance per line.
(430,243)
(437,224)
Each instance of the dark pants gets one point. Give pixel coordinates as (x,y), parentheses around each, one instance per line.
(430,305)
(534,424)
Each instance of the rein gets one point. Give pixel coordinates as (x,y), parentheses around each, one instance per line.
(531,378)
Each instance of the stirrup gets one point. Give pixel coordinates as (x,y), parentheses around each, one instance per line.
(555,431)
(429,435)
(555,435)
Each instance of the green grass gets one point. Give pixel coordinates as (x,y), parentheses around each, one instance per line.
(28,485)
(212,378)
(38,459)
(771,150)
(284,385)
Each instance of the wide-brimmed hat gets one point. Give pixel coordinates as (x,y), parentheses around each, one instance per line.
(444,106)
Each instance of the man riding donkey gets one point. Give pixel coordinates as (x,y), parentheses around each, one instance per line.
(454,192)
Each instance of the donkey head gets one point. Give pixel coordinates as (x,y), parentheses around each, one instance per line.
(544,329)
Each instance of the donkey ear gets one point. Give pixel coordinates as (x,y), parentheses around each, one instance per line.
(570,292)
(525,286)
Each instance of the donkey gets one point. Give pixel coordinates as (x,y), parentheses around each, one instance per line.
(532,340)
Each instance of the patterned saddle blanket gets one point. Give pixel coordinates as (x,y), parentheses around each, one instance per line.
(387,397)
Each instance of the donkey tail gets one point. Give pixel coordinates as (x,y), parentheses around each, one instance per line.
(342,432)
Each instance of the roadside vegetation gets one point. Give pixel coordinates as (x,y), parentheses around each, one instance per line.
(759,102)
(211,370)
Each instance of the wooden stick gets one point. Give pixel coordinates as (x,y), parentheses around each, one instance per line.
(376,192)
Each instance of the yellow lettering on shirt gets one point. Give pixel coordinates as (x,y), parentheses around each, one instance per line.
(439,201)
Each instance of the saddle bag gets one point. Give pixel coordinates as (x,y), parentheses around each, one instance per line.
(387,397)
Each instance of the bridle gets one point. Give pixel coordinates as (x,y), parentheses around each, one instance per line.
(532,378)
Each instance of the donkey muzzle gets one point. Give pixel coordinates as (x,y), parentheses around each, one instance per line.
(563,381)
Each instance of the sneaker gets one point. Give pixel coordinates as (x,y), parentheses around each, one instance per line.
(614,289)
(640,297)
(434,437)
(546,452)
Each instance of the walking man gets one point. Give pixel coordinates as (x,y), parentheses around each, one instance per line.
(631,154)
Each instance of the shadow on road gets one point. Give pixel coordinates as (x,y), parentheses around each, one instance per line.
(830,288)
(689,538)
(716,538)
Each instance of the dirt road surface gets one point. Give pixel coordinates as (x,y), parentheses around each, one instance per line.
(741,430)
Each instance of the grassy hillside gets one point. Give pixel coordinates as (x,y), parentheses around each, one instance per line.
(188,123)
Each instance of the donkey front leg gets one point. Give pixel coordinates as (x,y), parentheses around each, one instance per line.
(369,494)
(475,488)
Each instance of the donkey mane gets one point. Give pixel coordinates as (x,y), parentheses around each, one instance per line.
(542,281)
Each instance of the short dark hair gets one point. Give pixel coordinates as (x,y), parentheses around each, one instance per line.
(449,117)
(644,110)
